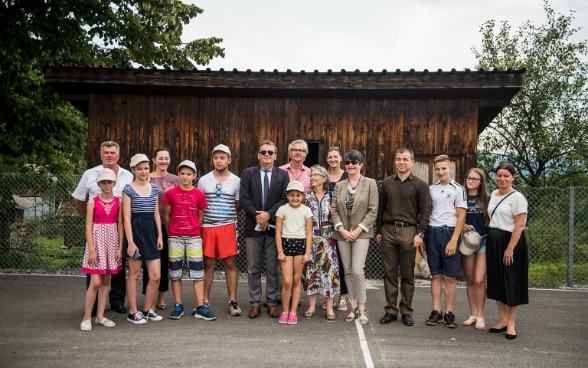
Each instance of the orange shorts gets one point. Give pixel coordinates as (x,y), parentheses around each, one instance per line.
(219,241)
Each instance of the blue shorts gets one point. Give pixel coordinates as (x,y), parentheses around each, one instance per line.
(482,246)
(436,240)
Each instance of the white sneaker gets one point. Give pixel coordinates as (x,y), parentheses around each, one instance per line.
(86,325)
(151,315)
(234,309)
(105,322)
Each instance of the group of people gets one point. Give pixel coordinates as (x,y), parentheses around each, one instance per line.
(309,227)
(413,215)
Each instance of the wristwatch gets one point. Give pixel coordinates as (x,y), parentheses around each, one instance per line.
(422,235)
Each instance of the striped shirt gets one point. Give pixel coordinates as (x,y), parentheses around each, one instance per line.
(140,204)
(221,199)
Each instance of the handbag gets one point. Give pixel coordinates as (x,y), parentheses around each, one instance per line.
(423,265)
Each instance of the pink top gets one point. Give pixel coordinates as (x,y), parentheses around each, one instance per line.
(106,212)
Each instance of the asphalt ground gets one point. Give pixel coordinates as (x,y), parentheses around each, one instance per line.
(40,318)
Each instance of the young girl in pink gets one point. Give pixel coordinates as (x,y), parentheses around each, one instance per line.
(103,253)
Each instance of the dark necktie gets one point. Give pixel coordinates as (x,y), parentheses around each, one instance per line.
(265,187)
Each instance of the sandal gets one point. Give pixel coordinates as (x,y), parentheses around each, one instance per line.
(480,324)
(342,304)
(330,317)
(308,314)
(363,318)
(105,322)
(161,306)
(470,321)
(352,316)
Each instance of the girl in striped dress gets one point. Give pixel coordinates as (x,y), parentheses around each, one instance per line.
(142,226)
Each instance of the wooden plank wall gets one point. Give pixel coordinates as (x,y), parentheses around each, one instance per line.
(189,126)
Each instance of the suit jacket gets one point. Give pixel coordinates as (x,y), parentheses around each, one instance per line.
(250,197)
(364,210)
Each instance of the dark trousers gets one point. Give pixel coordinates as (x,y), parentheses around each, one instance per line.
(398,252)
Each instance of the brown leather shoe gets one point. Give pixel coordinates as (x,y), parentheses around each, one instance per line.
(272,310)
(254,312)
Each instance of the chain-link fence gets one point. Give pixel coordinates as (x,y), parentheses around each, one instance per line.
(41,231)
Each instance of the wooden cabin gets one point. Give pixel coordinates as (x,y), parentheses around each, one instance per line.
(191,111)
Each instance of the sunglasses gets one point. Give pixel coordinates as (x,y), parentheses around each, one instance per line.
(218,190)
(352,162)
(263,153)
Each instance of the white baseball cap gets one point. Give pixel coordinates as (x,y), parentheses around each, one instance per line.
(295,185)
(105,174)
(138,158)
(187,163)
(222,148)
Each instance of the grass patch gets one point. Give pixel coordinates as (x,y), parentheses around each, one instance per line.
(555,275)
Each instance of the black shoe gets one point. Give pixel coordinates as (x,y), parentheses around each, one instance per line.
(119,309)
(388,318)
(435,318)
(407,320)
(496,330)
(511,337)
(449,320)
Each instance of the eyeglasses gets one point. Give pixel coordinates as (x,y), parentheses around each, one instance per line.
(263,153)
(472,179)
(298,150)
(314,175)
(352,162)
(218,190)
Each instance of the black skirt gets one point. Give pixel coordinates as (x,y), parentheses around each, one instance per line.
(144,236)
(507,284)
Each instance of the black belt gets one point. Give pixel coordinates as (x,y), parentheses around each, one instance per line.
(398,223)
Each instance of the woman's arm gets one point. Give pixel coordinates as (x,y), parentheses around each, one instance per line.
(514,237)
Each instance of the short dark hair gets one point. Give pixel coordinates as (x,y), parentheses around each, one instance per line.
(354,155)
(506,166)
(404,150)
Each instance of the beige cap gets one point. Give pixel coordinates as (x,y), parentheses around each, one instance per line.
(187,163)
(295,185)
(470,242)
(105,174)
(138,158)
(222,148)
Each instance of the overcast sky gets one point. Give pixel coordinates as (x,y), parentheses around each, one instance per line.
(369,34)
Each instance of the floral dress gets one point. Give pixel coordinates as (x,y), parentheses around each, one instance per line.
(322,272)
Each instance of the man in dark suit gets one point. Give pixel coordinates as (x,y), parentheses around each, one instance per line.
(262,192)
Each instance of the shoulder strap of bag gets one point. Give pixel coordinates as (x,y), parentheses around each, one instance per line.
(505,197)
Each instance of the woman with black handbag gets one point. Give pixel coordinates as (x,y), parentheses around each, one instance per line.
(507,258)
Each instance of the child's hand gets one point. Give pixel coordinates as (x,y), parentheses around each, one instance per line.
(132,248)
(119,255)
(92,257)
(281,256)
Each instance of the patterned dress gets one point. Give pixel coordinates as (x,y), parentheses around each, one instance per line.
(105,237)
(322,272)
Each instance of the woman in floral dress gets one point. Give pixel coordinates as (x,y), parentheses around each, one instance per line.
(322,272)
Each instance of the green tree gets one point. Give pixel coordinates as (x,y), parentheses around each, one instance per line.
(544,132)
(35,126)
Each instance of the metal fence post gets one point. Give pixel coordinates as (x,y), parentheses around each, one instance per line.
(571,238)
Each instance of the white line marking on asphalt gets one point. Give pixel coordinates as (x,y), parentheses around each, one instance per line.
(367,357)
